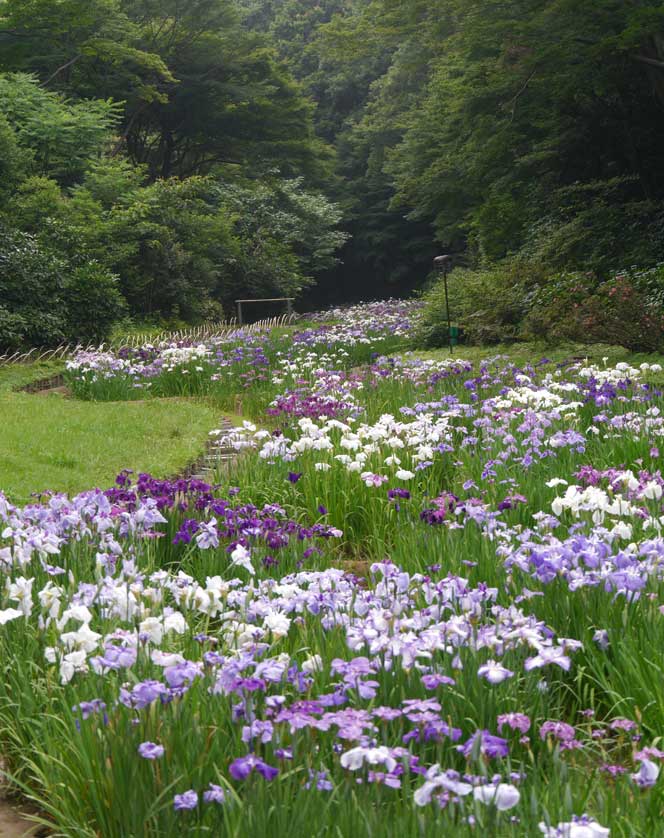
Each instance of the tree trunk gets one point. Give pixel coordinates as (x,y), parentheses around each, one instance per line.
(167,150)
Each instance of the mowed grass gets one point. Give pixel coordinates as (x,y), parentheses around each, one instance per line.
(52,442)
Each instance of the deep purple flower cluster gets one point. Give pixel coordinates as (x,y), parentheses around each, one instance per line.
(302,402)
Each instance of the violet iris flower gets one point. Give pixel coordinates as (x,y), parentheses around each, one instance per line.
(186,800)
(242,767)
(214,794)
(489,745)
(150,750)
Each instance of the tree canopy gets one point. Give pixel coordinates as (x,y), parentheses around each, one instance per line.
(199,150)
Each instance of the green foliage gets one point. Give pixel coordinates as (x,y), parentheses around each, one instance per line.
(599,226)
(90,48)
(31,283)
(519,300)
(93,303)
(489,305)
(62,136)
(13,159)
(165,240)
(229,101)
(527,99)
(182,247)
(214,148)
(625,309)
(287,234)
(36,199)
(46,300)
(496,128)
(13,328)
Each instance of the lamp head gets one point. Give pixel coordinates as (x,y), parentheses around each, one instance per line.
(443,262)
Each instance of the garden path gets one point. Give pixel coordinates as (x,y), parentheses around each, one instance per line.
(216,454)
(13,824)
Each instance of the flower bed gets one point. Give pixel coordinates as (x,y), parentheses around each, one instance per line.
(180,656)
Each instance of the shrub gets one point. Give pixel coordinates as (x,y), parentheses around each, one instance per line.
(626,309)
(31,282)
(93,302)
(46,301)
(555,307)
(489,304)
(12,330)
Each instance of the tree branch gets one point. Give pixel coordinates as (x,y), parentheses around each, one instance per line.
(523,89)
(123,138)
(60,69)
(206,161)
(652,62)
(13,34)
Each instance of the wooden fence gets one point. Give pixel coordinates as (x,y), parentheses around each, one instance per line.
(207,331)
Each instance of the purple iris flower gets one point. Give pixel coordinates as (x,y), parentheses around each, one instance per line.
(294,476)
(647,774)
(214,794)
(242,767)
(516,721)
(432,681)
(392,494)
(181,674)
(560,730)
(321,779)
(144,694)
(489,745)
(88,708)
(186,800)
(150,750)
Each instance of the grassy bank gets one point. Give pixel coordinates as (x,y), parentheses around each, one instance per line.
(52,442)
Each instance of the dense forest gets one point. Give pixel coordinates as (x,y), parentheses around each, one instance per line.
(158,159)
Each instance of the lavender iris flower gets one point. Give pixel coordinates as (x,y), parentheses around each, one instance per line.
(214,794)
(647,775)
(150,750)
(186,800)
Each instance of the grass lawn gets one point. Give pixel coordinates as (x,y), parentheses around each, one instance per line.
(51,442)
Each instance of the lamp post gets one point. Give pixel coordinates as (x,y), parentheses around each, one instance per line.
(443,265)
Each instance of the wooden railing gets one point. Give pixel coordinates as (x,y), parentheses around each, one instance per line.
(207,331)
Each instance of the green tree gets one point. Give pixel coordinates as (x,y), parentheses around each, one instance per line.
(14,160)
(60,136)
(90,48)
(526,99)
(31,285)
(93,303)
(229,102)
(286,235)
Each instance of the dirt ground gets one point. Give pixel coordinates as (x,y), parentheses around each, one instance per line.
(12,824)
